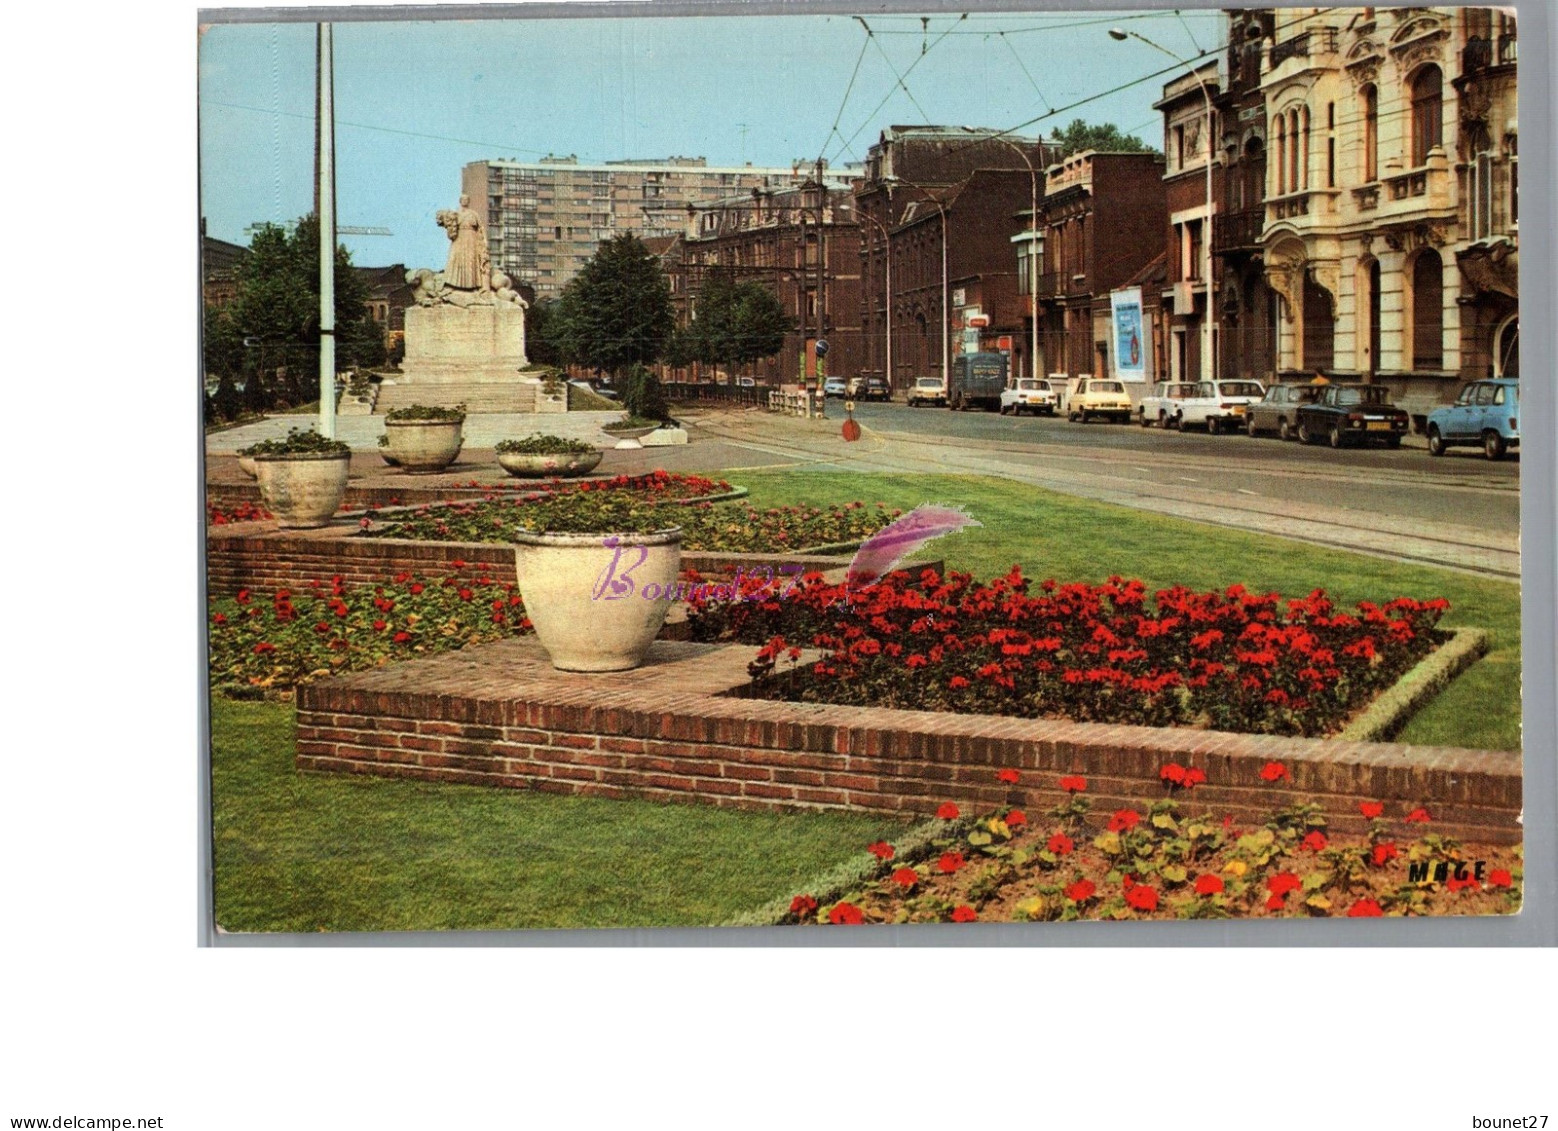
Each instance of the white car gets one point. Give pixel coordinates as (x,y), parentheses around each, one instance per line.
(1029,394)
(1096,397)
(835,387)
(1217,403)
(926,390)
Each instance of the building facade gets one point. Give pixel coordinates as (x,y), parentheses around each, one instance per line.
(921,183)
(1103,216)
(545,219)
(803,244)
(1391,226)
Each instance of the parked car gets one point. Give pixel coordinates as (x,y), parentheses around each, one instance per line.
(876,389)
(1094,397)
(746,382)
(1352,413)
(927,390)
(1165,404)
(1217,403)
(1277,411)
(855,385)
(1029,394)
(1486,413)
(835,387)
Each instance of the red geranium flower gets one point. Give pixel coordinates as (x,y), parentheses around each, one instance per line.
(1384,851)
(1207,883)
(1364,909)
(846,914)
(1142,897)
(1074,783)
(1060,844)
(1419,816)
(1500,878)
(1314,842)
(1123,820)
(1275,903)
(263,647)
(802,906)
(964,914)
(1081,891)
(906,877)
(1173,773)
(947,812)
(1010,777)
(1283,882)
(881,850)
(1194,776)
(950,862)
(1274,771)
(1371,809)
(401,637)
(1016,819)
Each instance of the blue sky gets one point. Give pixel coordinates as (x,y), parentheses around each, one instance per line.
(415,101)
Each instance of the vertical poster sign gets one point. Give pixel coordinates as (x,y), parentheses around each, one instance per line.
(1130,346)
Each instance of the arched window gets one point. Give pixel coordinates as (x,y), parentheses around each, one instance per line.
(1301,178)
(1370,134)
(1427,310)
(1294,184)
(1427,113)
(1282,184)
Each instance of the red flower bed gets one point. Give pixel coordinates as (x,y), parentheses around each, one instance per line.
(1114,653)
(1169,863)
(243,512)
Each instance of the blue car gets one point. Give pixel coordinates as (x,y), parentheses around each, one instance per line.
(1485,415)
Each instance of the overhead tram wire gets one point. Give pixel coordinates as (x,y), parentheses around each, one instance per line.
(834,130)
(902,85)
(1024,67)
(871,117)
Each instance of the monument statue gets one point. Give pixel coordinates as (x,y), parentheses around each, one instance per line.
(465,329)
(469,268)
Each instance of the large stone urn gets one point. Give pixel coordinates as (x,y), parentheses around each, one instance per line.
(303,489)
(597,601)
(422,447)
(534,465)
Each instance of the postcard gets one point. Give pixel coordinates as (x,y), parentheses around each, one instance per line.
(827,472)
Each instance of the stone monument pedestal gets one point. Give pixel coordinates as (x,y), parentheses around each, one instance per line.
(464,343)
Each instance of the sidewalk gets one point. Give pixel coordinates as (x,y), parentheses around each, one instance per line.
(482,430)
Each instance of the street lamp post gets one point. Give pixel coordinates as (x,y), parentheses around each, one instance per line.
(887,249)
(1208,372)
(1035,244)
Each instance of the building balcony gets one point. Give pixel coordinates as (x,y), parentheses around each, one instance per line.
(1307,45)
(1238,231)
(1053,283)
(1302,205)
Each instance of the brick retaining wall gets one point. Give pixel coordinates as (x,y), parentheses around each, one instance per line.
(499,715)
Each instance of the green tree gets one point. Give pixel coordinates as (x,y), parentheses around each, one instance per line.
(221,343)
(277,308)
(737,323)
(543,323)
(1106,138)
(617,311)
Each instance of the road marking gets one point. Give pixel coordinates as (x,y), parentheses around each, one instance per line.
(1187,479)
(1242,491)
(1146,469)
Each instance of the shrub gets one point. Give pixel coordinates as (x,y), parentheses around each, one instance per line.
(630,422)
(426,412)
(298,442)
(538,445)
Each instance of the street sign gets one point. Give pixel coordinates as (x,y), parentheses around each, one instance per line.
(822,347)
(979,320)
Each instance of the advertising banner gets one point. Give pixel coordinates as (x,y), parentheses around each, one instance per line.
(1130,342)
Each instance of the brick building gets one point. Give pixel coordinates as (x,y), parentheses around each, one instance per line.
(985,181)
(1103,217)
(803,244)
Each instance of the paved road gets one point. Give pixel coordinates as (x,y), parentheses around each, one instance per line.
(1462,513)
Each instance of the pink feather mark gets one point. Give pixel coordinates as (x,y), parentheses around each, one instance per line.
(880,554)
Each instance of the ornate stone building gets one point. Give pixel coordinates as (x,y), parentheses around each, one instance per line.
(1391,225)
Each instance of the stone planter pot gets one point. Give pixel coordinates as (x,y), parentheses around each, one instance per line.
(526,465)
(628,438)
(585,594)
(304,490)
(423,446)
(247,466)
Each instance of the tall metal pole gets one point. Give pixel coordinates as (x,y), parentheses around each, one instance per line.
(326,189)
(946,307)
(1033,234)
(1208,371)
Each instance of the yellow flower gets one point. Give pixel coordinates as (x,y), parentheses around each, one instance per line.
(1237,868)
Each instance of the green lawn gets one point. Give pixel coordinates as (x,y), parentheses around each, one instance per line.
(1070,539)
(325,852)
(317,852)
